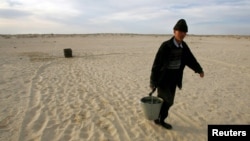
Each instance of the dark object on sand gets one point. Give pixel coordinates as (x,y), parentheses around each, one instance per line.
(68,52)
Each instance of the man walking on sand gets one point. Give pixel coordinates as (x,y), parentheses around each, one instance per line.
(167,70)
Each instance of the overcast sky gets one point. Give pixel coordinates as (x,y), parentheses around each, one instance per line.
(124,16)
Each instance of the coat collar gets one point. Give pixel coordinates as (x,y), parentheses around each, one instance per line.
(176,44)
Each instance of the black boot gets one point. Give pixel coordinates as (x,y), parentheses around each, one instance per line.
(163,124)
(166,125)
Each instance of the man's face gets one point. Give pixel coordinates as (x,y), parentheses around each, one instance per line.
(179,35)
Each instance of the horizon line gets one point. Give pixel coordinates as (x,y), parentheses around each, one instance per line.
(148,34)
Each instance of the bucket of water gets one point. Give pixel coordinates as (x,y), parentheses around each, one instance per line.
(151,107)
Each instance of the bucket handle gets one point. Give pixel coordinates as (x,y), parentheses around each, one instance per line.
(150,94)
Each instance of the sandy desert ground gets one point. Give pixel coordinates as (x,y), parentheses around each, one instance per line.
(95,96)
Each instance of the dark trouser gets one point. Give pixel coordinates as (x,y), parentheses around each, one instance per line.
(167,94)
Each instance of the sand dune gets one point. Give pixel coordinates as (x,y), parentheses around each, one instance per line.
(95,95)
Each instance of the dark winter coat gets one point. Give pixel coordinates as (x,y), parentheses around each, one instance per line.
(161,76)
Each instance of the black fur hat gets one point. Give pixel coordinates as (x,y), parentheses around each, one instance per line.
(181,25)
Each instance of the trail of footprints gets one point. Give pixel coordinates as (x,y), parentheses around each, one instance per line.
(70,99)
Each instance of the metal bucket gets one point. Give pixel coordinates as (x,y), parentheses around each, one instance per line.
(151,107)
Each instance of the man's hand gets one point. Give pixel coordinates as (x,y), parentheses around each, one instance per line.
(152,87)
(202,74)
